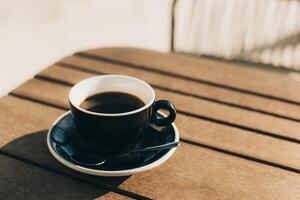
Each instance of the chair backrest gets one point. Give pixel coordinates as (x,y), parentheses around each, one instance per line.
(263,31)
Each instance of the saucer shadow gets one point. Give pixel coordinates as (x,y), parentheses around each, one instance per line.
(33,149)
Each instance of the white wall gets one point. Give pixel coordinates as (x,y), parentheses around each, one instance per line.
(37,33)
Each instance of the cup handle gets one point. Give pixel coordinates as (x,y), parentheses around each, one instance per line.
(158,119)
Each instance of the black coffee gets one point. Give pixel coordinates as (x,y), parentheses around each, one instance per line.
(112,102)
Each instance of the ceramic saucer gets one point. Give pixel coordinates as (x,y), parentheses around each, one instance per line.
(63,140)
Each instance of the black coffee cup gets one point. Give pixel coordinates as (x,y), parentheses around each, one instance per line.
(116,131)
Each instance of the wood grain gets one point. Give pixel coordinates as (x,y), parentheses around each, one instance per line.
(230,74)
(193,129)
(216,94)
(198,173)
(23,181)
(190,105)
(230,152)
(192,173)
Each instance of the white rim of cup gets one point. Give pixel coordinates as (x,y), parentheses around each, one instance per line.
(114,114)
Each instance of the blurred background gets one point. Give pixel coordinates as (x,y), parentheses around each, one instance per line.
(36,33)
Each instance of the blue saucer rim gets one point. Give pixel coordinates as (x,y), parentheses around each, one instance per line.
(101,172)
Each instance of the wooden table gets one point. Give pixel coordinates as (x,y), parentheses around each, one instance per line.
(239,125)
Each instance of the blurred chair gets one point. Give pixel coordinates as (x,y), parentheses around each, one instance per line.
(259,31)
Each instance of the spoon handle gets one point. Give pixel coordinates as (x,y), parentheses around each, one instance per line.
(158,147)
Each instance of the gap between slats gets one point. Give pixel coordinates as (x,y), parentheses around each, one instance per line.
(191,179)
(77,67)
(197,80)
(225,97)
(206,118)
(216,149)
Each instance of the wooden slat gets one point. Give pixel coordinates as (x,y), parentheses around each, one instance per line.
(192,173)
(192,105)
(193,129)
(233,75)
(23,181)
(227,97)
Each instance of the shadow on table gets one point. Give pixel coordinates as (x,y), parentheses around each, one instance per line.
(33,147)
